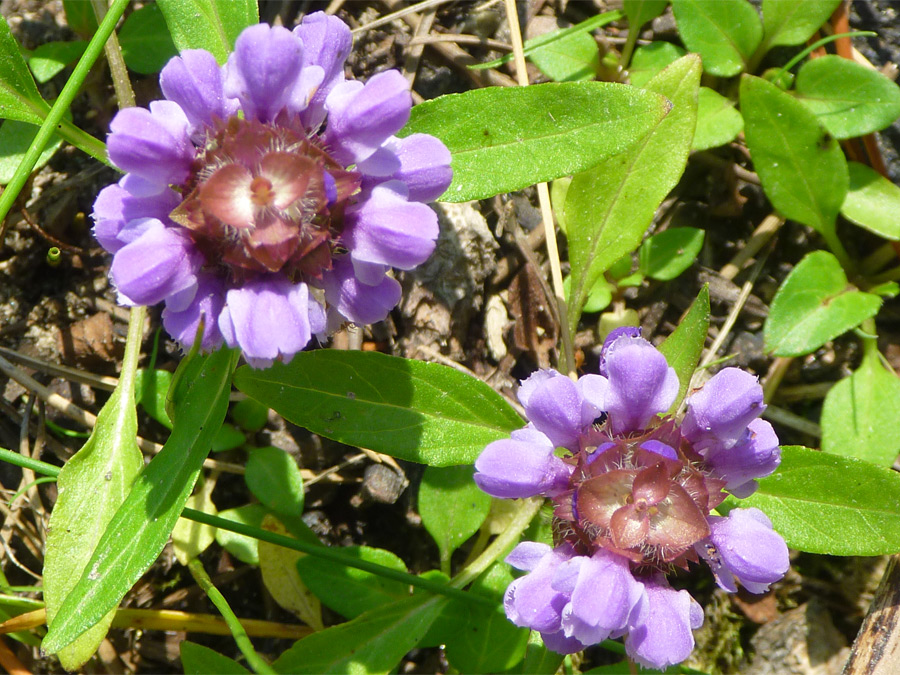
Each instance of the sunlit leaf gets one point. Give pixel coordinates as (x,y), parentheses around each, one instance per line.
(507,138)
(823,503)
(872,202)
(725,33)
(815,304)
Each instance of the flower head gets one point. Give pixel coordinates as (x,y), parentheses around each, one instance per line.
(635,495)
(269,196)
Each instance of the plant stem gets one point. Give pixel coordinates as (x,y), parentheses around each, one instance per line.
(83,141)
(566,360)
(55,116)
(254,660)
(117,68)
(528,508)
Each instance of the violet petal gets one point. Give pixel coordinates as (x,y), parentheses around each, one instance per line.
(361,119)
(388,229)
(207,303)
(263,70)
(359,302)
(661,632)
(641,384)
(747,547)
(194,81)
(521,466)
(720,411)
(157,264)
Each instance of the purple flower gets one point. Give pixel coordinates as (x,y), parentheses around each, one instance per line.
(634,495)
(269,197)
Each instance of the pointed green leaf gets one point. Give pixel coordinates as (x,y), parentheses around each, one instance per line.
(242,547)
(145,40)
(650,59)
(488,642)
(609,208)
(872,202)
(860,413)
(801,166)
(350,591)
(666,255)
(19,97)
(373,643)
(92,486)
(212,25)
(452,506)
(718,122)
(794,22)
(684,346)
(51,58)
(199,660)
(507,138)
(15,139)
(823,503)
(152,387)
(815,304)
(140,528)
(725,33)
(274,479)
(847,98)
(571,59)
(640,12)
(421,412)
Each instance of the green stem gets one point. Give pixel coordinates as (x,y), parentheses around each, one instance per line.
(333,555)
(254,660)
(83,141)
(117,68)
(494,551)
(831,239)
(52,122)
(528,508)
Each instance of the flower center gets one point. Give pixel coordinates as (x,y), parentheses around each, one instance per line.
(638,497)
(265,198)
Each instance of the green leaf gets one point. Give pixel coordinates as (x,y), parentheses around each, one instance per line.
(794,22)
(278,568)
(274,479)
(92,486)
(609,208)
(80,17)
(684,346)
(15,139)
(507,138)
(140,528)
(847,98)
(598,297)
(190,538)
(570,59)
(872,202)
(802,168)
(718,122)
(452,506)
(228,437)
(538,659)
(651,59)
(19,97)
(199,660)
(417,411)
(860,413)
(372,643)
(145,40)
(823,503)
(815,304)
(250,415)
(212,25)
(152,387)
(51,58)
(488,642)
(640,12)
(725,33)
(349,591)
(242,547)
(666,255)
